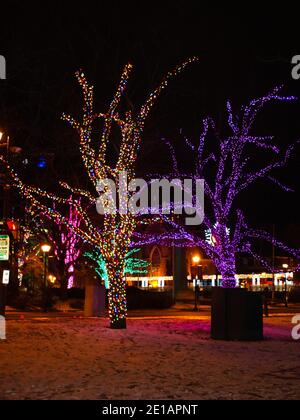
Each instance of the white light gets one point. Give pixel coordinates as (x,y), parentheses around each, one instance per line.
(45,248)
(196,259)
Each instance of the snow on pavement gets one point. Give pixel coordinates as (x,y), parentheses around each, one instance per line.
(153,359)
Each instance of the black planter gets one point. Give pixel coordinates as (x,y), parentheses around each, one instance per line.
(236,314)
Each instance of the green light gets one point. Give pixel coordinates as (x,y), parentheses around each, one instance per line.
(132,265)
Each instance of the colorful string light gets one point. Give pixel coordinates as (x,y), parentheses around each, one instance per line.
(115,237)
(132,265)
(66,243)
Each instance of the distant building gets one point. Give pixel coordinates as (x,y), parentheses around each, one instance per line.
(196,267)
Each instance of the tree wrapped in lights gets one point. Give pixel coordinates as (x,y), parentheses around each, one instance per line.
(67,245)
(227,232)
(132,265)
(113,233)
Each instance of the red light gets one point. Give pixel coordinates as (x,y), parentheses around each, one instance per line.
(11,225)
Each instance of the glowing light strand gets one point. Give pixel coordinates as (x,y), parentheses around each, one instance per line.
(227,185)
(114,240)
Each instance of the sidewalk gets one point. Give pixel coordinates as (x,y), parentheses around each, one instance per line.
(181,310)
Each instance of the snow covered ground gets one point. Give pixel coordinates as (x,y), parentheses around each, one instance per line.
(65,358)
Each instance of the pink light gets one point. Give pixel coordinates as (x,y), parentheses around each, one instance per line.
(70,282)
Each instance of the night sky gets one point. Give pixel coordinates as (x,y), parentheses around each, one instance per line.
(243,54)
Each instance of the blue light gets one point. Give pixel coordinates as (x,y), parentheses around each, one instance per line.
(42,162)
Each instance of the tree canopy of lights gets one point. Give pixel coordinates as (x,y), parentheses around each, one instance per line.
(227,232)
(132,265)
(113,234)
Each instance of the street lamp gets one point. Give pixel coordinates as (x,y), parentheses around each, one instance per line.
(45,249)
(196,260)
(285,267)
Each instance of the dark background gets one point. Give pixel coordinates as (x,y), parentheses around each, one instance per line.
(243,54)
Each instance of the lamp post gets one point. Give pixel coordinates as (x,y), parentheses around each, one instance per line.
(196,260)
(285,267)
(45,249)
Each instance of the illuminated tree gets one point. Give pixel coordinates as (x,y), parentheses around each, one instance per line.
(29,247)
(132,265)
(67,245)
(227,172)
(113,232)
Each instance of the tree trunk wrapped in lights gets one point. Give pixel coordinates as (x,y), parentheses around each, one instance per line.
(114,236)
(117,304)
(227,173)
(225,256)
